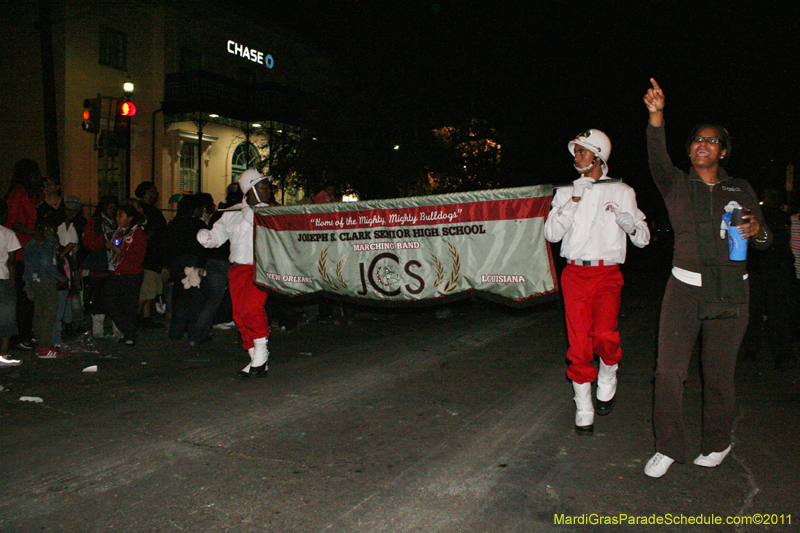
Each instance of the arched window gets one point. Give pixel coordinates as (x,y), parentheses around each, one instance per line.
(244,156)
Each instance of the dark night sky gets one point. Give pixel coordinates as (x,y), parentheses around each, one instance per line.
(540,72)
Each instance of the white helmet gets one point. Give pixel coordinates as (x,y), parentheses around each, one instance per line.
(249,178)
(596,142)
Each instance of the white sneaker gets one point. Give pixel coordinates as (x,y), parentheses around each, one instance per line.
(713,459)
(7,361)
(225,325)
(658,465)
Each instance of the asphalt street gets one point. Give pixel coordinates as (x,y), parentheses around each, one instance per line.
(397,422)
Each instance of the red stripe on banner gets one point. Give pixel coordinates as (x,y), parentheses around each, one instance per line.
(511,209)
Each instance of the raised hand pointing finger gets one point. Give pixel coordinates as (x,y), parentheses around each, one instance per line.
(654,98)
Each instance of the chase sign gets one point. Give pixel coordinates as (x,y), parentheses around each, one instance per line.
(251,53)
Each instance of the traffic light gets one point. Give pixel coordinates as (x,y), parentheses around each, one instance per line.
(91,115)
(125,110)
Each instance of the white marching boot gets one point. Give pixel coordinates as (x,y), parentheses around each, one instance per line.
(245,372)
(98,328)
(606,388)
(584,414)
(260,356)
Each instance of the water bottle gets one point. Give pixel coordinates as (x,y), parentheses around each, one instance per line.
(737,242)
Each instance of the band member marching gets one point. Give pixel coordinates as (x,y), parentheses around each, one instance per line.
(593,219)
(236,226)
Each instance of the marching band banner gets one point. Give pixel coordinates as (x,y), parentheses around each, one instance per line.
(424,249)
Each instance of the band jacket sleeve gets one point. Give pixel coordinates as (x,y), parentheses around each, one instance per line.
(217,235)
(641,236)
(561,216)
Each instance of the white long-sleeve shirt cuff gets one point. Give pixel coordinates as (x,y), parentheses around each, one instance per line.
(641,237)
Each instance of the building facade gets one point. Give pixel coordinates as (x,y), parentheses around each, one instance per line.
(217,89)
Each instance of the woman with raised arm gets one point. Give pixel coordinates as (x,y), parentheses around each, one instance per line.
(707,292)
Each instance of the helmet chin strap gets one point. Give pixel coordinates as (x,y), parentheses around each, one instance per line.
(584,169)
(255,192)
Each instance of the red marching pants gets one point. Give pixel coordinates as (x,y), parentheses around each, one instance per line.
(591,304)
(248,304)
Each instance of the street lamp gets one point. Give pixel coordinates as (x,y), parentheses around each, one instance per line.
(127,89)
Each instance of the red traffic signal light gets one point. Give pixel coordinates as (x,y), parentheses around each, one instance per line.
(126,109)
(91,115)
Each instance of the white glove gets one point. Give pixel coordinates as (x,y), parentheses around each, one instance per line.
(204,237)
(625,221)
(580,185)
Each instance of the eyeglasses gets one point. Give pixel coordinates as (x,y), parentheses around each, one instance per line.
(709,140)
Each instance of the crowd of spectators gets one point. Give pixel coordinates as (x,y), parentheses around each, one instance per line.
(109,276)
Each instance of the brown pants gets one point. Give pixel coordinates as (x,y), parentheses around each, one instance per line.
(678,331)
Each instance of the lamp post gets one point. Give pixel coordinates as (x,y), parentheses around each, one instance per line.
(200,122)
(127,89)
